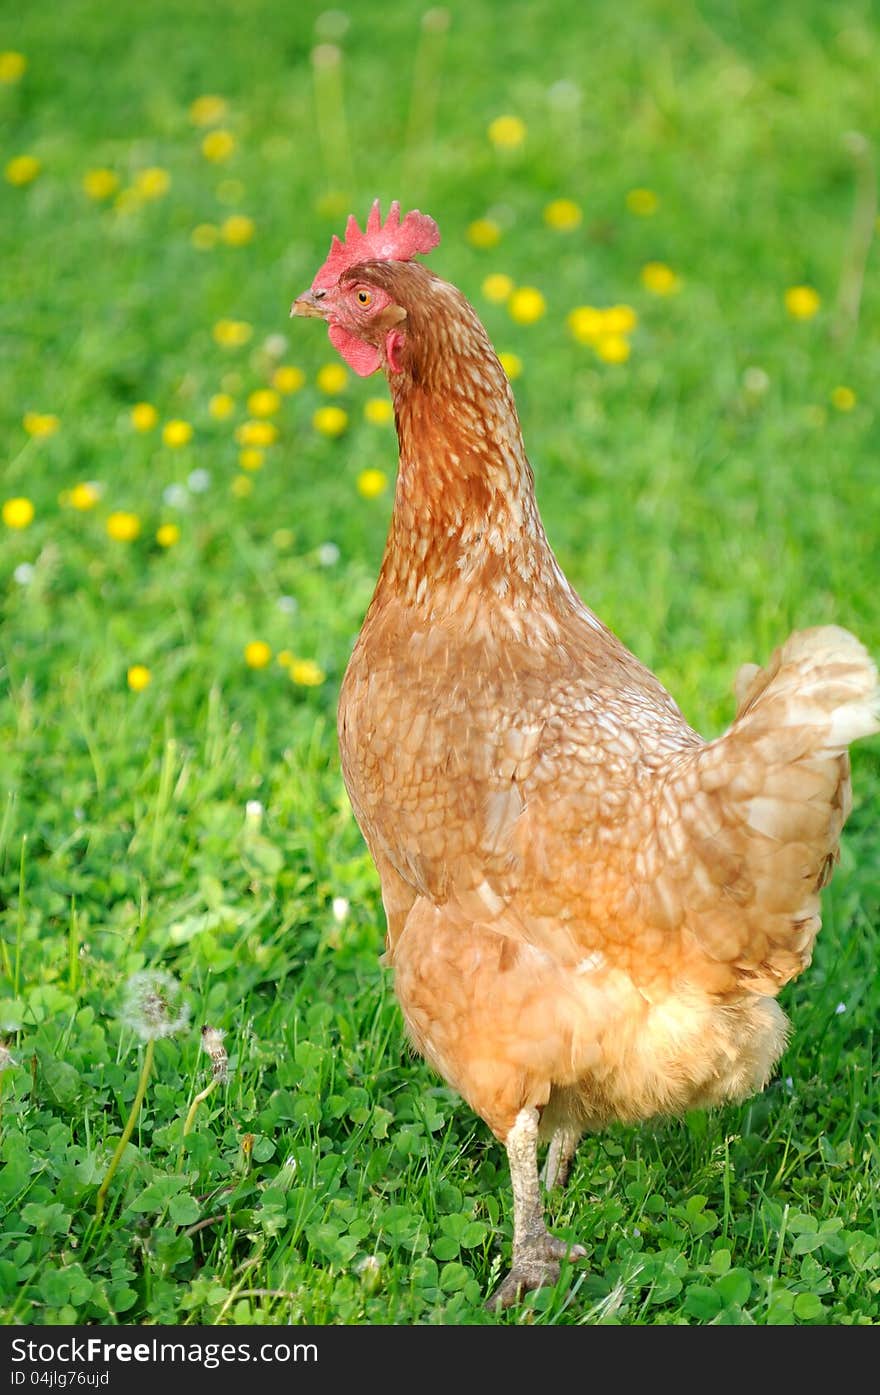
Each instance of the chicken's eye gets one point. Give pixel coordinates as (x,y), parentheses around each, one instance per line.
(364,297)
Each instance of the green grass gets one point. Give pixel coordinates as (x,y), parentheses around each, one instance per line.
(702,509)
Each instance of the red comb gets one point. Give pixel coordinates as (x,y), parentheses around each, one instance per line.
(391,241)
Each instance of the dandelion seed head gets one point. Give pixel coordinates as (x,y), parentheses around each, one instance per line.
(755,381)
(275,345)
(24,573)
(212,1042)
(197,481)
(154,1005)
(328,554)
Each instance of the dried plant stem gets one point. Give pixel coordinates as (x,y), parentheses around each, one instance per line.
(330,117)
(128,1130)
(852,274)
(202,1095)
(423,102)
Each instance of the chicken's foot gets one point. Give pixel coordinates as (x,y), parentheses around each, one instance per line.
(560,1155)
(536,1253)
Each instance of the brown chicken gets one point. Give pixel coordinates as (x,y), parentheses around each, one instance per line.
(590,908)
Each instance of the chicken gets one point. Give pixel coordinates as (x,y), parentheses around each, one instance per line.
(590,908)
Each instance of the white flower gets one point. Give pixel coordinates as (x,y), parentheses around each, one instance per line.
(275,345)
(341,908)
(332,24)
(198,481)
(328,554)
(755,381)
(841,1007)
(288,604)
(564,95)
(175,496)
(24,573)
(253,813)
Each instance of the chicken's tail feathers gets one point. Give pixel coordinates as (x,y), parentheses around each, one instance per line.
(765,803)
(821,683)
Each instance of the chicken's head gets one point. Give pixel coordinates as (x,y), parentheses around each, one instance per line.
(364,322)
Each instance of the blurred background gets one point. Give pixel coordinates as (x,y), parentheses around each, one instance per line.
(665,212)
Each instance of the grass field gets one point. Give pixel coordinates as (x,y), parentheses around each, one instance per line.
(185,566)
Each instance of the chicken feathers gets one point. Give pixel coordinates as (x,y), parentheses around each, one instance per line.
(590,908)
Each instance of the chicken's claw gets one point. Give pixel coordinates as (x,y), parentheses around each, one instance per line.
(536,1266)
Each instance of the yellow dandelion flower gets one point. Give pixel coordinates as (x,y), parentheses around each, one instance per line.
(802,302)
(217,146)
(231,334)
(526,305)
(585,323)
(512,365)
(242,486)
(371,483)
(332,378)
(642,202)
(237,230)
(152,183)
(167,534)
(251,458)
(139,677)
(100,184)
(123,527)
(207,110)
(144,416)
(177,433)
(843,398)
(18,513)
(257,654)
(256,433)
(330,421)
(22,169)
(204,236)
(619,319)
(563,215)
(507,132)
(287,378)
(497,287)
(612,348)
(83,496)
(221,406)
(285,658)
(483,233)
(306,673)
(40,423)
(12,65)
(660,279)
(378,411)
(264,402)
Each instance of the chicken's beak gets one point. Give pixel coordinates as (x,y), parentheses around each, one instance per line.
(308,304)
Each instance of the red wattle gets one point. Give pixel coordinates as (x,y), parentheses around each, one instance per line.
(363,358)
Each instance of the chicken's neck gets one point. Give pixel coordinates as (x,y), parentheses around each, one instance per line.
(465,514)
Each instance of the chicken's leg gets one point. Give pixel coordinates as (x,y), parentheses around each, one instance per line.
(536,1253)
(560,1155)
